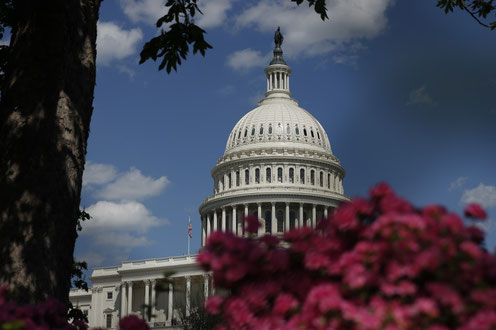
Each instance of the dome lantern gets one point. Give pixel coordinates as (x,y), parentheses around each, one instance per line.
(278,71)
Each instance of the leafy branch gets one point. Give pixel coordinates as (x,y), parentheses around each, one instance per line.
(479,10)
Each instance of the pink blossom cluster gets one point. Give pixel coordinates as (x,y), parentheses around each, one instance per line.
(376,263)
(49,314)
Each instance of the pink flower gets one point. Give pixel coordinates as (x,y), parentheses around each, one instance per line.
(212,305)
(475,211)
(132,322)
(285,303)
(251,224)
(380,190)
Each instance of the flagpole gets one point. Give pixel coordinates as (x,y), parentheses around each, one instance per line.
(189,236)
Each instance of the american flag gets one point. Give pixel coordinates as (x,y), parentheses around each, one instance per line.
(190,228)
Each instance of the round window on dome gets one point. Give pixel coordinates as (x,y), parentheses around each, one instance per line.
(311,133)
(246,132)
(261,130)
(305,132)
(297,130)
(270,129)
(253,131)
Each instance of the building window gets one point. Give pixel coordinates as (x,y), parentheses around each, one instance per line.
(328,181)
(237,179)
(305,132)
(302,176)
(109,320)
(318,135)
(222,186)
(321,179)
(270,129)
(85,312)
(247,176)
(261,129)
(268,175)
(312,177)
(229,180)
(279,174)
(288,129)
(257,175)
(268,222)
(239,134)
(292,217)
(253,131)
(246,132)
(291,175)
(280,221)
(311,133)
(109,295)
(297,130)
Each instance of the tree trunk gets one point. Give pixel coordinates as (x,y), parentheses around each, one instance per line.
(45,115)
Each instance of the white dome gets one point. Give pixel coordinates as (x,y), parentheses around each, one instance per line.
(278,122)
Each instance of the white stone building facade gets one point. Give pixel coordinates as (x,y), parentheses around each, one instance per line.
(278,165)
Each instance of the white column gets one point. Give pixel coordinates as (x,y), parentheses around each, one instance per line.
(326,213)
(209,225)
(188,295)
(287,218)
(170,302)
(261,229)
(215,220)
(233,220)
(314,215)
(273,219)
(154,301)
(223,219)
(301,220)
(287,83)
(268,84)
(123,300)
(147,292)
(130,297)
(205,286)
(204,230)
(246,210)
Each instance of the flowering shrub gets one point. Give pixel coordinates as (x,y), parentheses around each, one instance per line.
(376,263)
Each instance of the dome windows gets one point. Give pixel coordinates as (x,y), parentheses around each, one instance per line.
(288,129)
(302,176)
(253,131)
(268,175)
(311,133)
(257,175)
(291,175)
(237,179)
(318,135)
(246,132)
(305,131)
(312,177)
(270,129)
(321,178)
(297,130)
(261,130)
(279,174)
(247,176)
(239,134)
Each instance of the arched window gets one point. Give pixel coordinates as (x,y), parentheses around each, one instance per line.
(223,184)
(291,175)
(297,130)
(257,175)
(253,131)
(328,181)
(247,176)
(280,221)
(268,222)
(311,133)
(237,179)
(302,176)
(279,174)
(229,180)
(312,177)
(270,129)
(246,132)
(321,179)
(268,175)
(239,134)
(261,129)
(318,135)
(305,132)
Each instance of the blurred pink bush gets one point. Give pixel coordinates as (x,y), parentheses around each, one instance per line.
(376,263)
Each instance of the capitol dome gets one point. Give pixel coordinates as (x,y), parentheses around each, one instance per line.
(278,165)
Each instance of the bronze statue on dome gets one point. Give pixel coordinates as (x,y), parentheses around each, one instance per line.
(278,38)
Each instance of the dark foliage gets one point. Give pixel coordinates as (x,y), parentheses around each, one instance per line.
(478,9)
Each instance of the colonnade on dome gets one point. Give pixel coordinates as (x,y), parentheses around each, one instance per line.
(276,217)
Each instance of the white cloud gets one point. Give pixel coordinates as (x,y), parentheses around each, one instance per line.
(122,216)
(246,59)
(419,96)
(214,12)
(144,11)
(458,183)
(133,185)
(116,43)
(91,258)
(98,173)
(482,194)
(120,240)
(305,34)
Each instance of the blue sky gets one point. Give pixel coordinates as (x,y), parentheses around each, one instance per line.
(405,93)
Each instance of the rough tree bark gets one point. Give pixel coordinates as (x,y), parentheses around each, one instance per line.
(45,114)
